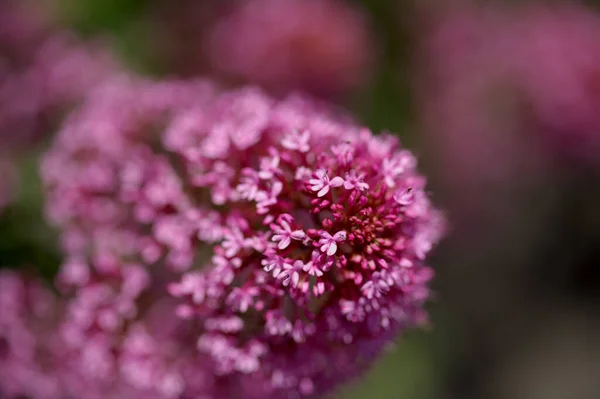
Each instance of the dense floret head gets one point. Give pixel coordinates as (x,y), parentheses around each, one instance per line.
(294,239)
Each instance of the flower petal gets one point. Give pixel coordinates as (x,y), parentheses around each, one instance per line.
(284,243)
(336,182)
(332,249)
(323,191)
(298,234)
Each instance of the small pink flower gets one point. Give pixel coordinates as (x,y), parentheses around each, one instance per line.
(266,199)
(352,310)
(322,184)
(353,180)
(277,323)
(249,184)
(395,167)
(283,232)
(269,166)
(297,141)
(313,269)
(405,196)
(329,243)
(233,242)
(378,285)
(242,299)
(290,273)
(274,264)
(303,173)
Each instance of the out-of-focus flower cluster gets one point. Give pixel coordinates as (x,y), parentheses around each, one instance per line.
(43,71)
(292,240)
(29,347)
(564,89)
(504,89)
(217,244)
(320,46)
(534,65)
(37,360)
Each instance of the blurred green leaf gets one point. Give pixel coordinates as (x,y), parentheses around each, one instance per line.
(405,372)
(26,240)
(91,16)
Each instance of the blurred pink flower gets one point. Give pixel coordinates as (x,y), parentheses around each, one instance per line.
(319,46)
(557,61)
(42,70)
(29,347)
(493,73)
(41,357)
(463,110)
(33,96)
(503,90)
(288,280)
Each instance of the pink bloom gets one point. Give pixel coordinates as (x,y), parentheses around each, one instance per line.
(31,350)
(322,184)
(233,242)
(269,167)
(397,166)
(44,72)
(319,46)
(314,267)
(273,263)
(280,289)
(328,242)
(503,84)
(297,141)
(557,65)
(405,196)
(353,180)
(266,199)
(290,273)
(249,184)
(34,88)
(283,232)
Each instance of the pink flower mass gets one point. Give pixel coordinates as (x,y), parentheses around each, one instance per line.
(490,69)
(268,228)
(44,71)
(323,47)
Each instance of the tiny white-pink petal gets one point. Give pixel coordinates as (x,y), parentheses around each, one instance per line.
(332,249)
(336,182)
(323,191)
(284,243)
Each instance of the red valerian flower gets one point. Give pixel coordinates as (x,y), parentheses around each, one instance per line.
(294,240)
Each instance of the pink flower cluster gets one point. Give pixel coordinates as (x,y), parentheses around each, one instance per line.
(558,61)
(38,360)
(495,68)
(292,240)
(505,91)
(42,73)
(320,46)
(28,344)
